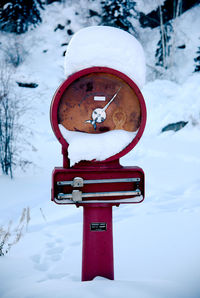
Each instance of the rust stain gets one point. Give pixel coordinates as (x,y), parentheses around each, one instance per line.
(77,104)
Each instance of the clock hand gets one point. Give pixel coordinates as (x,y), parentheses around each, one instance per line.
(99,114)
(107,105)
(93,122)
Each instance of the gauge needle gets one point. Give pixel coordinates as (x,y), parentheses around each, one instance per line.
(106,106)
(99,115)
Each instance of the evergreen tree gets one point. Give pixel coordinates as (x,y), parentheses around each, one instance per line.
(117,13)
(164,45)
(17,15)
(197,60)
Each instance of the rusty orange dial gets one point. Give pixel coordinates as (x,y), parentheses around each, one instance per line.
(99,102)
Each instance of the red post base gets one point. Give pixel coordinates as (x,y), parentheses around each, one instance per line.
(97,254)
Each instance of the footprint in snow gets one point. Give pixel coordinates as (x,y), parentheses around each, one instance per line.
(52,253)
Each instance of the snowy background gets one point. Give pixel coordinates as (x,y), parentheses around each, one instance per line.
(157,242)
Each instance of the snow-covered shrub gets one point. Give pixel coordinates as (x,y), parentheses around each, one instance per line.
(4,236)
(9,236)
(168,35)
(164,46)
(14,52)
(11,111)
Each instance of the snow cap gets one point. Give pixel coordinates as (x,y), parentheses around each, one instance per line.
(108,47)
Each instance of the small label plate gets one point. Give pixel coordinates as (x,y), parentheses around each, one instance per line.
(99,98)
(98,226)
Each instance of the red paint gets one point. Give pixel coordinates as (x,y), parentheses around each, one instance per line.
(97,249)
(93,173)
(97,253)
(75,76)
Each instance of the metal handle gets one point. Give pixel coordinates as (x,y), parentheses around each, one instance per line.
(79,182)
(77,195)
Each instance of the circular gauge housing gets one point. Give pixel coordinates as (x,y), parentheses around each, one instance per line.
(97,100)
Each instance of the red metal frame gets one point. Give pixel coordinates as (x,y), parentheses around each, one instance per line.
(77,75)
(97,253)
(61,174)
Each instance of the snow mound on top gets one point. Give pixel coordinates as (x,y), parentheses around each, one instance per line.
(109,47)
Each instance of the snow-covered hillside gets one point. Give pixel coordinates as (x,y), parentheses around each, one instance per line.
(156,243)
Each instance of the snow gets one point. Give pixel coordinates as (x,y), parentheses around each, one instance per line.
(7,5)
(108,47)
(156,243)
(86,146)
(185,33)
(146,6)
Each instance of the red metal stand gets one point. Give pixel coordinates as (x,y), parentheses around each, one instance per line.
(97,186)
(97,254)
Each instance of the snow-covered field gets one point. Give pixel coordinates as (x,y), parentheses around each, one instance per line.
(157,242)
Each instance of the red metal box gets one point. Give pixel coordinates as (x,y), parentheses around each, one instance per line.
(98,185)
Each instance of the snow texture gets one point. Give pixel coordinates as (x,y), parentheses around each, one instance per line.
(156,243)
(109,47)
(86,146)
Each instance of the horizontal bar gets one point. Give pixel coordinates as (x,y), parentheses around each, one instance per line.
(101,194)
(136,199)
(100,181)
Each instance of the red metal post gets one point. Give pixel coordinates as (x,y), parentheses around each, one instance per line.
(97,254)
(97,258)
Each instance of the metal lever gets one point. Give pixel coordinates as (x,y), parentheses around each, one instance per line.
(77,195)
(79,182)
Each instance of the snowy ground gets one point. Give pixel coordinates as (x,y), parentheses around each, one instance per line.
(156,243)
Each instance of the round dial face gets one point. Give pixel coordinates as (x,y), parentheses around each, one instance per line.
(99,102)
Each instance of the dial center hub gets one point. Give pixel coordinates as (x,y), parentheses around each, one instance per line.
(99,115)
